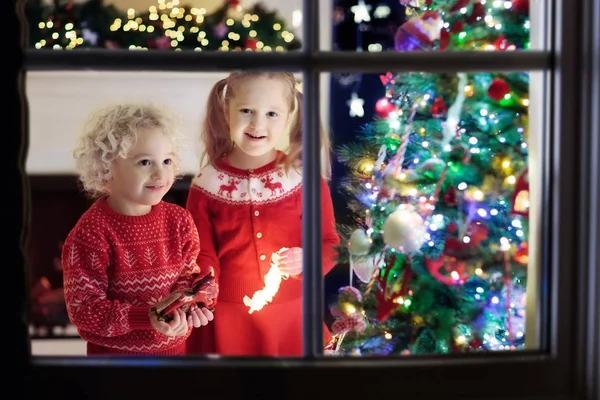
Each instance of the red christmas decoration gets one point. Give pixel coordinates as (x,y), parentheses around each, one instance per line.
(386,299)
(233,3)
(384,107)
(522,254)
(457,27)
(498,89)
(387,78)
(520,197)
(438,108)
(450,267)
(501,43)
(520,6)
(419,32)
(444,39)
(250,43)
(450,197)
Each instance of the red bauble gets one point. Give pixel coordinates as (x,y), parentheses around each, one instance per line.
(384,107)
(457,27)
(250,43)
(520,6)
(498,89)
(438,108)
(501,43)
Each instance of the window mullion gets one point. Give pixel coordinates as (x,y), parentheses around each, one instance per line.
(311,195)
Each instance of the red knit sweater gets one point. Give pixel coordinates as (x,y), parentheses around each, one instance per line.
(243,216)
(115,267)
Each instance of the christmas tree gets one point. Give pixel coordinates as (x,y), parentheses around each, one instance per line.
(166,25)
(438,188)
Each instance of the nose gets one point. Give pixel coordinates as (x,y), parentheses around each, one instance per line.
(256,122)
(158,173)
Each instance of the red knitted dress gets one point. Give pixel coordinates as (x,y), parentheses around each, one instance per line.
(244,216)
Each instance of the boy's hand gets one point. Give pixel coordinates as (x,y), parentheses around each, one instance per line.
(178,326)
(199,317)
(291,261)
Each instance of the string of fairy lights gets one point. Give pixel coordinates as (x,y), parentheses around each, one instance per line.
(175,20)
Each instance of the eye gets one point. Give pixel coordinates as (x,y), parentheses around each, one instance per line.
(246,111)
(144,162)
(168,161)
(272,114)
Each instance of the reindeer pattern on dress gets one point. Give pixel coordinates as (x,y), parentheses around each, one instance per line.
(230,187)
(244,188)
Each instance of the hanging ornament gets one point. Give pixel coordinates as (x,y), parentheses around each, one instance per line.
(220,30)
(453,115)
(501,43)
(359,243)
(388,295)
(438,108)
(449,269)
(419,32)
(498,89)
(348,316)
(382,11)
(361,12)
(404,230)
(364,267)
(520,197)
(384,107)
(356,106)
(387,78)
(520,6)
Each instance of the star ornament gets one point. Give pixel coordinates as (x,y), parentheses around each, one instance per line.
(361,12)
(356,106)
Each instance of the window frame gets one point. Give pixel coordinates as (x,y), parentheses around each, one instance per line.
(567,367)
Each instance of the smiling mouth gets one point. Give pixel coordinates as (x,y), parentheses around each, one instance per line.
(156,187)
(254,136)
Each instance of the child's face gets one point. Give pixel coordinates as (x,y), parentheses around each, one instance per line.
(258,115)
(144,176)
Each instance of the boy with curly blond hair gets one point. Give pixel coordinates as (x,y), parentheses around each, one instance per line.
(130,248)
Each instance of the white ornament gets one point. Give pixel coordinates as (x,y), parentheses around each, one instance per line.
(364,267)
(404,230)
(356,105)
(359,243)
(381,157)
(381,12)
(361,12)
(453,116)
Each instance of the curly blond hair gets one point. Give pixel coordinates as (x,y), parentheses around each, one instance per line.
(110,132)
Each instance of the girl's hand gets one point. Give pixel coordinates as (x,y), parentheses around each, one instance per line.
(291,261)
(178,326)
(199,317)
